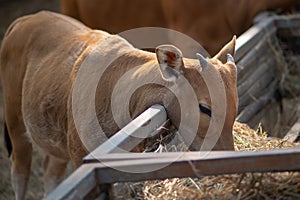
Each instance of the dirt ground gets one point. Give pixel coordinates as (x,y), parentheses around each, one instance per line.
(9,11)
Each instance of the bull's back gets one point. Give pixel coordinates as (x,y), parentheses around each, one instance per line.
(38,55)
(32,41)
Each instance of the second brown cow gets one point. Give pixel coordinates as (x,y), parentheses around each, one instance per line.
(210,22)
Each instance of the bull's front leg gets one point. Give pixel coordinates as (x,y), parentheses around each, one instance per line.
(54,171)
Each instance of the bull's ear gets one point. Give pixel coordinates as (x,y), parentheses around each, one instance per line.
(227,49)
(170,61)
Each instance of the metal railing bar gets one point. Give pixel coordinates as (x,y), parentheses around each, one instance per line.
(145,125)
(76,186)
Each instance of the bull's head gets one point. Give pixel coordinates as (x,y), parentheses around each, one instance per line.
(214,82)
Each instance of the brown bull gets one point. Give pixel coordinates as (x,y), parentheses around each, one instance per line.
(46,57)
(122,15)
(210,22)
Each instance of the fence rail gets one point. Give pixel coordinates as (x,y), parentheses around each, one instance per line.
(118,168)
(144,126)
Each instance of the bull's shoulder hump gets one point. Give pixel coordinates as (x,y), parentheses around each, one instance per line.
(48,15)
(48,21)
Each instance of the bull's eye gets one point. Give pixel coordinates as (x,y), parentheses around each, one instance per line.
(205,110)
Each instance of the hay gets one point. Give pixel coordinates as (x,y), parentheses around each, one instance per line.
(284,185)
(247,139)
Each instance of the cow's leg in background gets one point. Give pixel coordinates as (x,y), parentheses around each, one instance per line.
(54,171)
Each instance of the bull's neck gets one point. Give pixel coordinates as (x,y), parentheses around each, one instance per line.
(129,86)
(152,94)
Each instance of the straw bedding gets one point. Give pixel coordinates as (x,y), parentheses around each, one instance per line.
(237,186)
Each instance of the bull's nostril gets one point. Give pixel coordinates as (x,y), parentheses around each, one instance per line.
(205,110)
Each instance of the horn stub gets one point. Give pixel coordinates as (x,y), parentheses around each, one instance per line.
(230,58)
(203,62)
